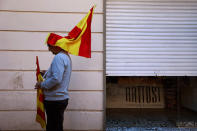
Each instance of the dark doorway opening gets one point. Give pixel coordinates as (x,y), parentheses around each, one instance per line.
(151,102)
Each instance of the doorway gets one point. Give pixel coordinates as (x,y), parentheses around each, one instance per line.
(151,102)
(151,64)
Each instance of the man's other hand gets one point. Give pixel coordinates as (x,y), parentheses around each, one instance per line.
(37,85)
(42,72)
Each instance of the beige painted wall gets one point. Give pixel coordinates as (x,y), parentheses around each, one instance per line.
(24,26)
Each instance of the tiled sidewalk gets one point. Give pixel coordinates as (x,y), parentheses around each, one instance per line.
(150,120)
(149,129)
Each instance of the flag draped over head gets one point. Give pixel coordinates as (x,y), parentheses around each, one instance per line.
(40,116)
(78,41)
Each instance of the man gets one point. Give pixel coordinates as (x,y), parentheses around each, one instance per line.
(55,87)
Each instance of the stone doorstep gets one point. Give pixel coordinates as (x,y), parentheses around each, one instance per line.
(186,124)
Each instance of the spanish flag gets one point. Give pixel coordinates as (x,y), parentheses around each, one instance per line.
(78,41)
(40,116)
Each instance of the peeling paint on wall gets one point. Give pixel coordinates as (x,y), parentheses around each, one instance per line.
(18,80)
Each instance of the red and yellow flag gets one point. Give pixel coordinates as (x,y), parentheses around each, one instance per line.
(40,116)
(78,41)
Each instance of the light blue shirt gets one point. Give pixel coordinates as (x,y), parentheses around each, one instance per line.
(57,78)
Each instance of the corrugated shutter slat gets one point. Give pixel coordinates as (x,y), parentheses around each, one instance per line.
(151,38)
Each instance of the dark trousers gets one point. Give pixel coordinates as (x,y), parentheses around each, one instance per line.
(55,114)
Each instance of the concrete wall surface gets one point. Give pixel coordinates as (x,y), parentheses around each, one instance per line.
(24,26)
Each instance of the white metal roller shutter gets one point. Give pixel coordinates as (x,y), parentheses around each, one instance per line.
(151,38)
